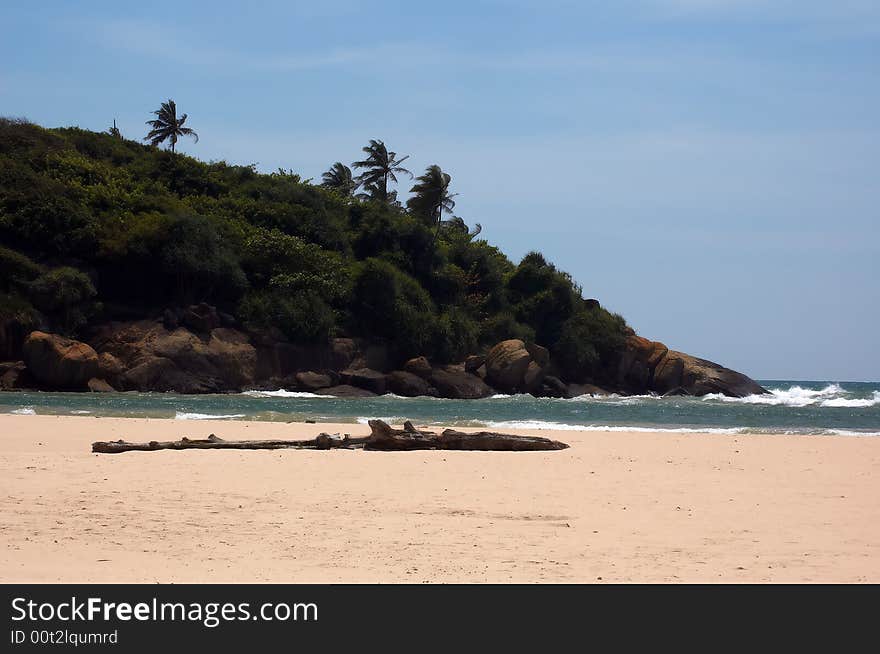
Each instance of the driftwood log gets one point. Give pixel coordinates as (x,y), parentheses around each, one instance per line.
(382,438)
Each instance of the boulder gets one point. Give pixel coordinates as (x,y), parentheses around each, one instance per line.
(474,362)
(455,383)
(553,387)
(685,374)
(407,384)
(144,356)
(201,318)
(513,366)
(14,376)
(59,362)
(344,390)
(418,366)
(638,362)
(506,365)
(312,381)
(96,385)
(109,367)
(675,392)
(365,378)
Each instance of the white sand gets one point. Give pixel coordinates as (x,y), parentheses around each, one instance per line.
(620,507)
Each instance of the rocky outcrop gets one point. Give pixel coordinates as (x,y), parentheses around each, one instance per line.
(371,380)
(148,357)
(59,362)
(344,390)
(14,376)
(681,373)
(191,351)
(201,318)
(96,385)
(646,365)
(407,384)
(513,366)
(454,382)
(312,381)
(418,366)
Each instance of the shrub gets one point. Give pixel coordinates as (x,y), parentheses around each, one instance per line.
(65,295)
(589,338)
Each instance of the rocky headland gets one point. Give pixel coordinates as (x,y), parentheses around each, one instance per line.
(199,350)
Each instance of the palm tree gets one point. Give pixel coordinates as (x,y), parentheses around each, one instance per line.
(339,178)
(432,196)
(114,130)
(381,167)
(167,126)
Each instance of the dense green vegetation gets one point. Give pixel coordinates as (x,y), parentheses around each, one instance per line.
(94,227)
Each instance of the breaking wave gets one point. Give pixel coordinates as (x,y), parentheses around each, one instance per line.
(283,393)
(560,426)
(182,415)
(832,396)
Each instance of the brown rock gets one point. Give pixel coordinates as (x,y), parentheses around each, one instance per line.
(418,366)
(638,363)
(312,381)
(96,385)
(201,318)
(109,367)
(533,378)
(14,376)
(344,390)
(553,387)
(365,378)
(457,384)
(154,359)
(506,365)
(682,373)
(59,362)
(474,362)
(539,354)
(407,384)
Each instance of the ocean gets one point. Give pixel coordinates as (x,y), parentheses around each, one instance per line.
(830,408)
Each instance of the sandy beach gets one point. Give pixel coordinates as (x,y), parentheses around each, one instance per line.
(615,507)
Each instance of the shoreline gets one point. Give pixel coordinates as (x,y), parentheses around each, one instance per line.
(534,427)
(618,506)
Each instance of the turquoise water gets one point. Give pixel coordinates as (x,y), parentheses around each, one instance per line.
(793,407)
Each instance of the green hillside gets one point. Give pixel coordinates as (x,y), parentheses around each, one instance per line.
(96,228)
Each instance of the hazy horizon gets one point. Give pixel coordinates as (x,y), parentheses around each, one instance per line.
(708,168)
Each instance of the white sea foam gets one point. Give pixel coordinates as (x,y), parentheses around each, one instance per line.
(24,411)
(795,396)
(283,393)
(182,415)
(560,426)
(858,403)
(80,412)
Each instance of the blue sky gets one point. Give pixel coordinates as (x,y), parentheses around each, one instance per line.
(708,168)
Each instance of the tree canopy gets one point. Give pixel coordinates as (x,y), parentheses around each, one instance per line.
(95,227)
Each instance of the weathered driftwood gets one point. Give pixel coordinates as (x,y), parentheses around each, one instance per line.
(321,442)
(386,438)
(382,437)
